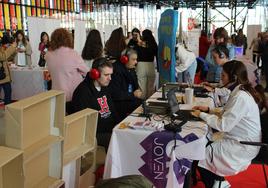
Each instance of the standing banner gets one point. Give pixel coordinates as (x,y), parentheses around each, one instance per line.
(166,45)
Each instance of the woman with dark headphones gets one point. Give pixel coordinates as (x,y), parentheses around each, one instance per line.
(124,86)
(220,94)
(239,120)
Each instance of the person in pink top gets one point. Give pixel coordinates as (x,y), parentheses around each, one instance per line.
(65,65)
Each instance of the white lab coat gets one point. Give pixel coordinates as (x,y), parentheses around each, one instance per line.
(241,122)
(220,96)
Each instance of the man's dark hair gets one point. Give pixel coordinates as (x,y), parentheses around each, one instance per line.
(100,63)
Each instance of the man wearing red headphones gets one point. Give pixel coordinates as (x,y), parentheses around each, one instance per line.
(93,93)
(124,86)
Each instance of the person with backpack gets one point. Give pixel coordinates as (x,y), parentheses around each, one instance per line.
(5,78)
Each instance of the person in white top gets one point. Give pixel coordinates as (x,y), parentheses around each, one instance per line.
(239,121)
(185,64)
(24,50)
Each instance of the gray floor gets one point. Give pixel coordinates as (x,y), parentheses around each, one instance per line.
(2,127)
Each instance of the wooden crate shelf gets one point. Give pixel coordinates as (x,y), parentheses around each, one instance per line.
(11,168)
(36,126)
(33,119)
(49,182)
(80,134)
(45,166)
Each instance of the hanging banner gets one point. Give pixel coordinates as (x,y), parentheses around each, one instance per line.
(72,5)
(29,11)
(69,5)
(65,5)
(13,17)
(18,14)
(7,19)
(33,8)
(166,45)
(1,18)
(38,12)
(58,5)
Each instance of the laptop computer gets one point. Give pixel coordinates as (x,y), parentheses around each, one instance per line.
(175,110)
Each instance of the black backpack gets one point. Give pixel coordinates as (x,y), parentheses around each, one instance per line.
(2,71)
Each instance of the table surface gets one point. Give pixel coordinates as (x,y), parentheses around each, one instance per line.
(148,151)
(27,82)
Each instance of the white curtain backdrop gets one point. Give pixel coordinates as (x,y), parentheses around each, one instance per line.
(80,35)
(36,27)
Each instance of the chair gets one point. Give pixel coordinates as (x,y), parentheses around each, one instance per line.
(262,157)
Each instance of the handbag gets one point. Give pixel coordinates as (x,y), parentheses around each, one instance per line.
(42,61)
(2,71)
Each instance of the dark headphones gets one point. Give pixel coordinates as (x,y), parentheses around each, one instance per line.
(221,51)
(94,73)
(125,56)
(221,54)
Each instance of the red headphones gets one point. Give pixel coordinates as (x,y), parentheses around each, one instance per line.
(124,58)
(94,74)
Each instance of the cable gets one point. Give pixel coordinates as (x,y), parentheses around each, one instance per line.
(213,98)
(161,117)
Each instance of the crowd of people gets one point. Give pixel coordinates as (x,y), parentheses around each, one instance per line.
(116,77)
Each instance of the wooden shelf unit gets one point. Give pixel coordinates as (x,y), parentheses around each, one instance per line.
(11,168)
(36,125)
(80,134)
(32,119)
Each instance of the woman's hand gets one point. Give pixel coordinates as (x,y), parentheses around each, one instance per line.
(206,84)
(138,93)
(201,108)
(20,50)
(196,113)
(209,88)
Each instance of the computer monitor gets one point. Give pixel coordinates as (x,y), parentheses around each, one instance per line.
(172,101)
(239,51)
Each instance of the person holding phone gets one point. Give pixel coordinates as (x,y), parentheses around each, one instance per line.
(24,50)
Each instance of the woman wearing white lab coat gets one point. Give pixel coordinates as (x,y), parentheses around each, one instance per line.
(239,121)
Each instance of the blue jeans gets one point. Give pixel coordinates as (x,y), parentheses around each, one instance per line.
(7,91)
(214,73)
(182,76)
